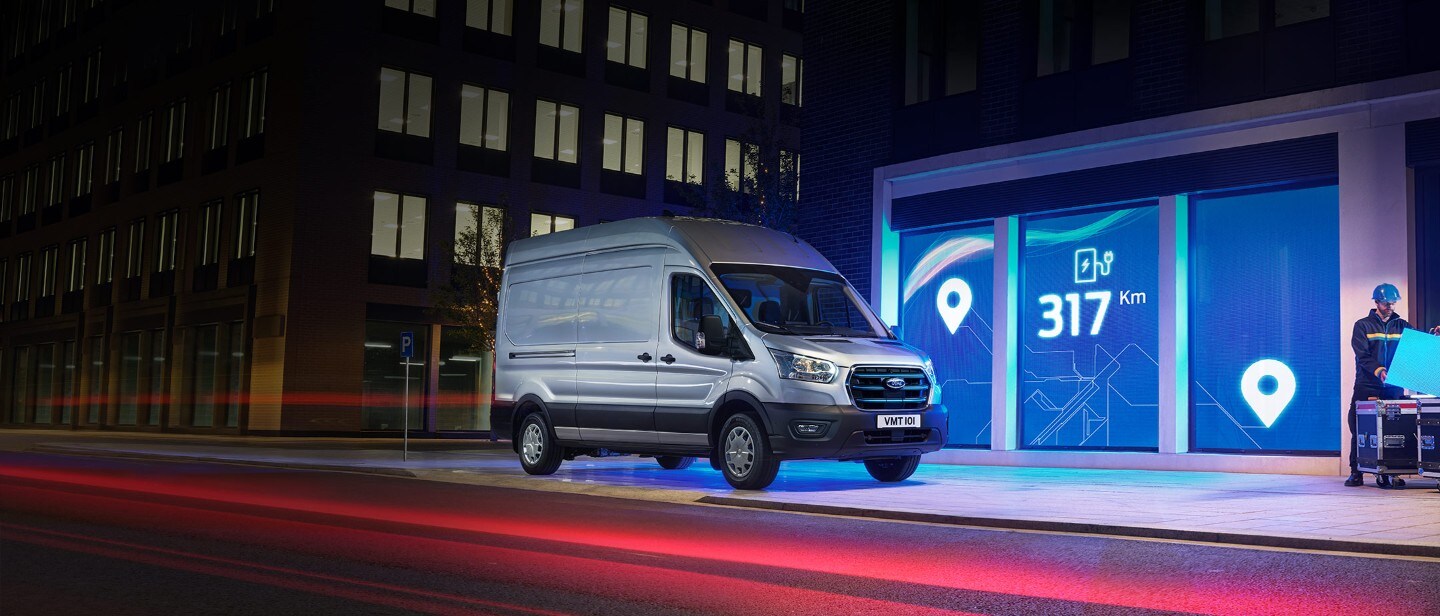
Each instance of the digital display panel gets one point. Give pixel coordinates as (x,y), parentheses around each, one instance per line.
(1089,331)
(946,303)
(1265,323)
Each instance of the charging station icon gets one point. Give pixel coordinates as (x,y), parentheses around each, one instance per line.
(1088,268)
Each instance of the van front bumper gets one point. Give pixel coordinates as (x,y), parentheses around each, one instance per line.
(850,433)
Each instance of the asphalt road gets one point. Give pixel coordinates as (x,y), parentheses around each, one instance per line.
(114,537)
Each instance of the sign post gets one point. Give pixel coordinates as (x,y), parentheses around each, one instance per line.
(407,350)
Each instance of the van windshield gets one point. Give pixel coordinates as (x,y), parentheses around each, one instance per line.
(796,301)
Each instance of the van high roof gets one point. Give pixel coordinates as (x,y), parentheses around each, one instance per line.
(709,240)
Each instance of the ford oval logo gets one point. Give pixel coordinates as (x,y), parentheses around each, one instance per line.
(894,382)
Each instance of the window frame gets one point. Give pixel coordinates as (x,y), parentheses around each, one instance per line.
(688,55)
(557,131)
(623,144)
(629,56)
(406,96)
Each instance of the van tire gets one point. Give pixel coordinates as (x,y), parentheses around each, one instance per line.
(674,463)
(744,452)
(539,455)
(890,470)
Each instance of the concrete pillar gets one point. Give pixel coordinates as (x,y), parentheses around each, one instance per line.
(1375,238)
(1004,372)
(1174,324)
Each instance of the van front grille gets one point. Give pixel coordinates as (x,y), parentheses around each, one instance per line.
(869,391)
(890,437)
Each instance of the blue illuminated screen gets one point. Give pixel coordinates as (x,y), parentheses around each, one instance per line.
(946,303)
(1265,323)
(1089,314)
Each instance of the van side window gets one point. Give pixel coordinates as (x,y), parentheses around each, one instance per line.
(691,300)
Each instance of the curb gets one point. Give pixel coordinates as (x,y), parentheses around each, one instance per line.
(70,451)
(1139,532)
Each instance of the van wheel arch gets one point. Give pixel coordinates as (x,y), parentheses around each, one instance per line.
(527,404)
(732,403)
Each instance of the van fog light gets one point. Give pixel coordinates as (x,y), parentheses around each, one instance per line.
(809,428)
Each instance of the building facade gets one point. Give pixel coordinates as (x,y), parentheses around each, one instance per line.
(1133,234)
(220,217)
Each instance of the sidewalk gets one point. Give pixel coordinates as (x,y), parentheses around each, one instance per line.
(1285,511)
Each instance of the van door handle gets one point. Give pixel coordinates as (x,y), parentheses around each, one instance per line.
(644,357)
(668,358)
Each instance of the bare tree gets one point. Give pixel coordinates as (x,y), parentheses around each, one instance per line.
(471,298)
(758,183)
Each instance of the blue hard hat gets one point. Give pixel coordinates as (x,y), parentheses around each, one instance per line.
(1387,293)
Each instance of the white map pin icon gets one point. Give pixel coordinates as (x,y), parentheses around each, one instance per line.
(954,314)
(1268,406)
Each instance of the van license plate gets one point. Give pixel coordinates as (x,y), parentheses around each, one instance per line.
(898,421)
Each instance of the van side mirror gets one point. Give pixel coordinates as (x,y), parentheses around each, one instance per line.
(712,331)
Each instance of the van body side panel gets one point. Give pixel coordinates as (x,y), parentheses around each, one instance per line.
(535,348)
(692,384)
(615,361)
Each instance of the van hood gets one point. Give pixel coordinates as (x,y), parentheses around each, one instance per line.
(847,352)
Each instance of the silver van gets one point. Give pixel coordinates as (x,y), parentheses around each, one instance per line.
(680,338)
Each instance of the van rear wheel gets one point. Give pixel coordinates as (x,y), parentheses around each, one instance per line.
(746,459)
(674,463)
(890,470)
(538,453)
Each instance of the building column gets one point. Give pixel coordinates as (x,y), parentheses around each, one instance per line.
(1375,238)
(1174,324)
(1004,372)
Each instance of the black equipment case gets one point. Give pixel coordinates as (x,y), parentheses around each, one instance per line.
(1385,432)
(1429,428)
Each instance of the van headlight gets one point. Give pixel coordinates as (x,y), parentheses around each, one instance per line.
(929,368)
(803,368)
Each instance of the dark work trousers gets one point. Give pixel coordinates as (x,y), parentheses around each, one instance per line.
(1387,393)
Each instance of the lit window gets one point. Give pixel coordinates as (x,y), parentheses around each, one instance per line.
(49,269)
(790,174)
(22,278)
(687,53)
(790,74)
(484,117)
(219,133)
(55,188)
(253,91)
(172,130)
(398,229)
(560,24)
(207,236)
(740,161)
(144,131)
(7,199)
(92,78)
(684,155)
(491,15)
(626,42)
(105,257)
(30,190)
(135,249)
(246,205)
(541,224)
(418,7)
(84,168)
(556,131)
(75,281)
(62,89)
(167,241)
(489,238)
(624,144)
(113,144)
(745,63)
(404,102)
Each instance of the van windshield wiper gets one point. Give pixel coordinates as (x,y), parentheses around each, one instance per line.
(779,329)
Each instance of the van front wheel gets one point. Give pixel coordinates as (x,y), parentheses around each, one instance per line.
(745,454)
(538,453)
(674,463)
(890,470)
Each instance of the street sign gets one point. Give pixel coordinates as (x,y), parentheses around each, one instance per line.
(407,351)
(407,344)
